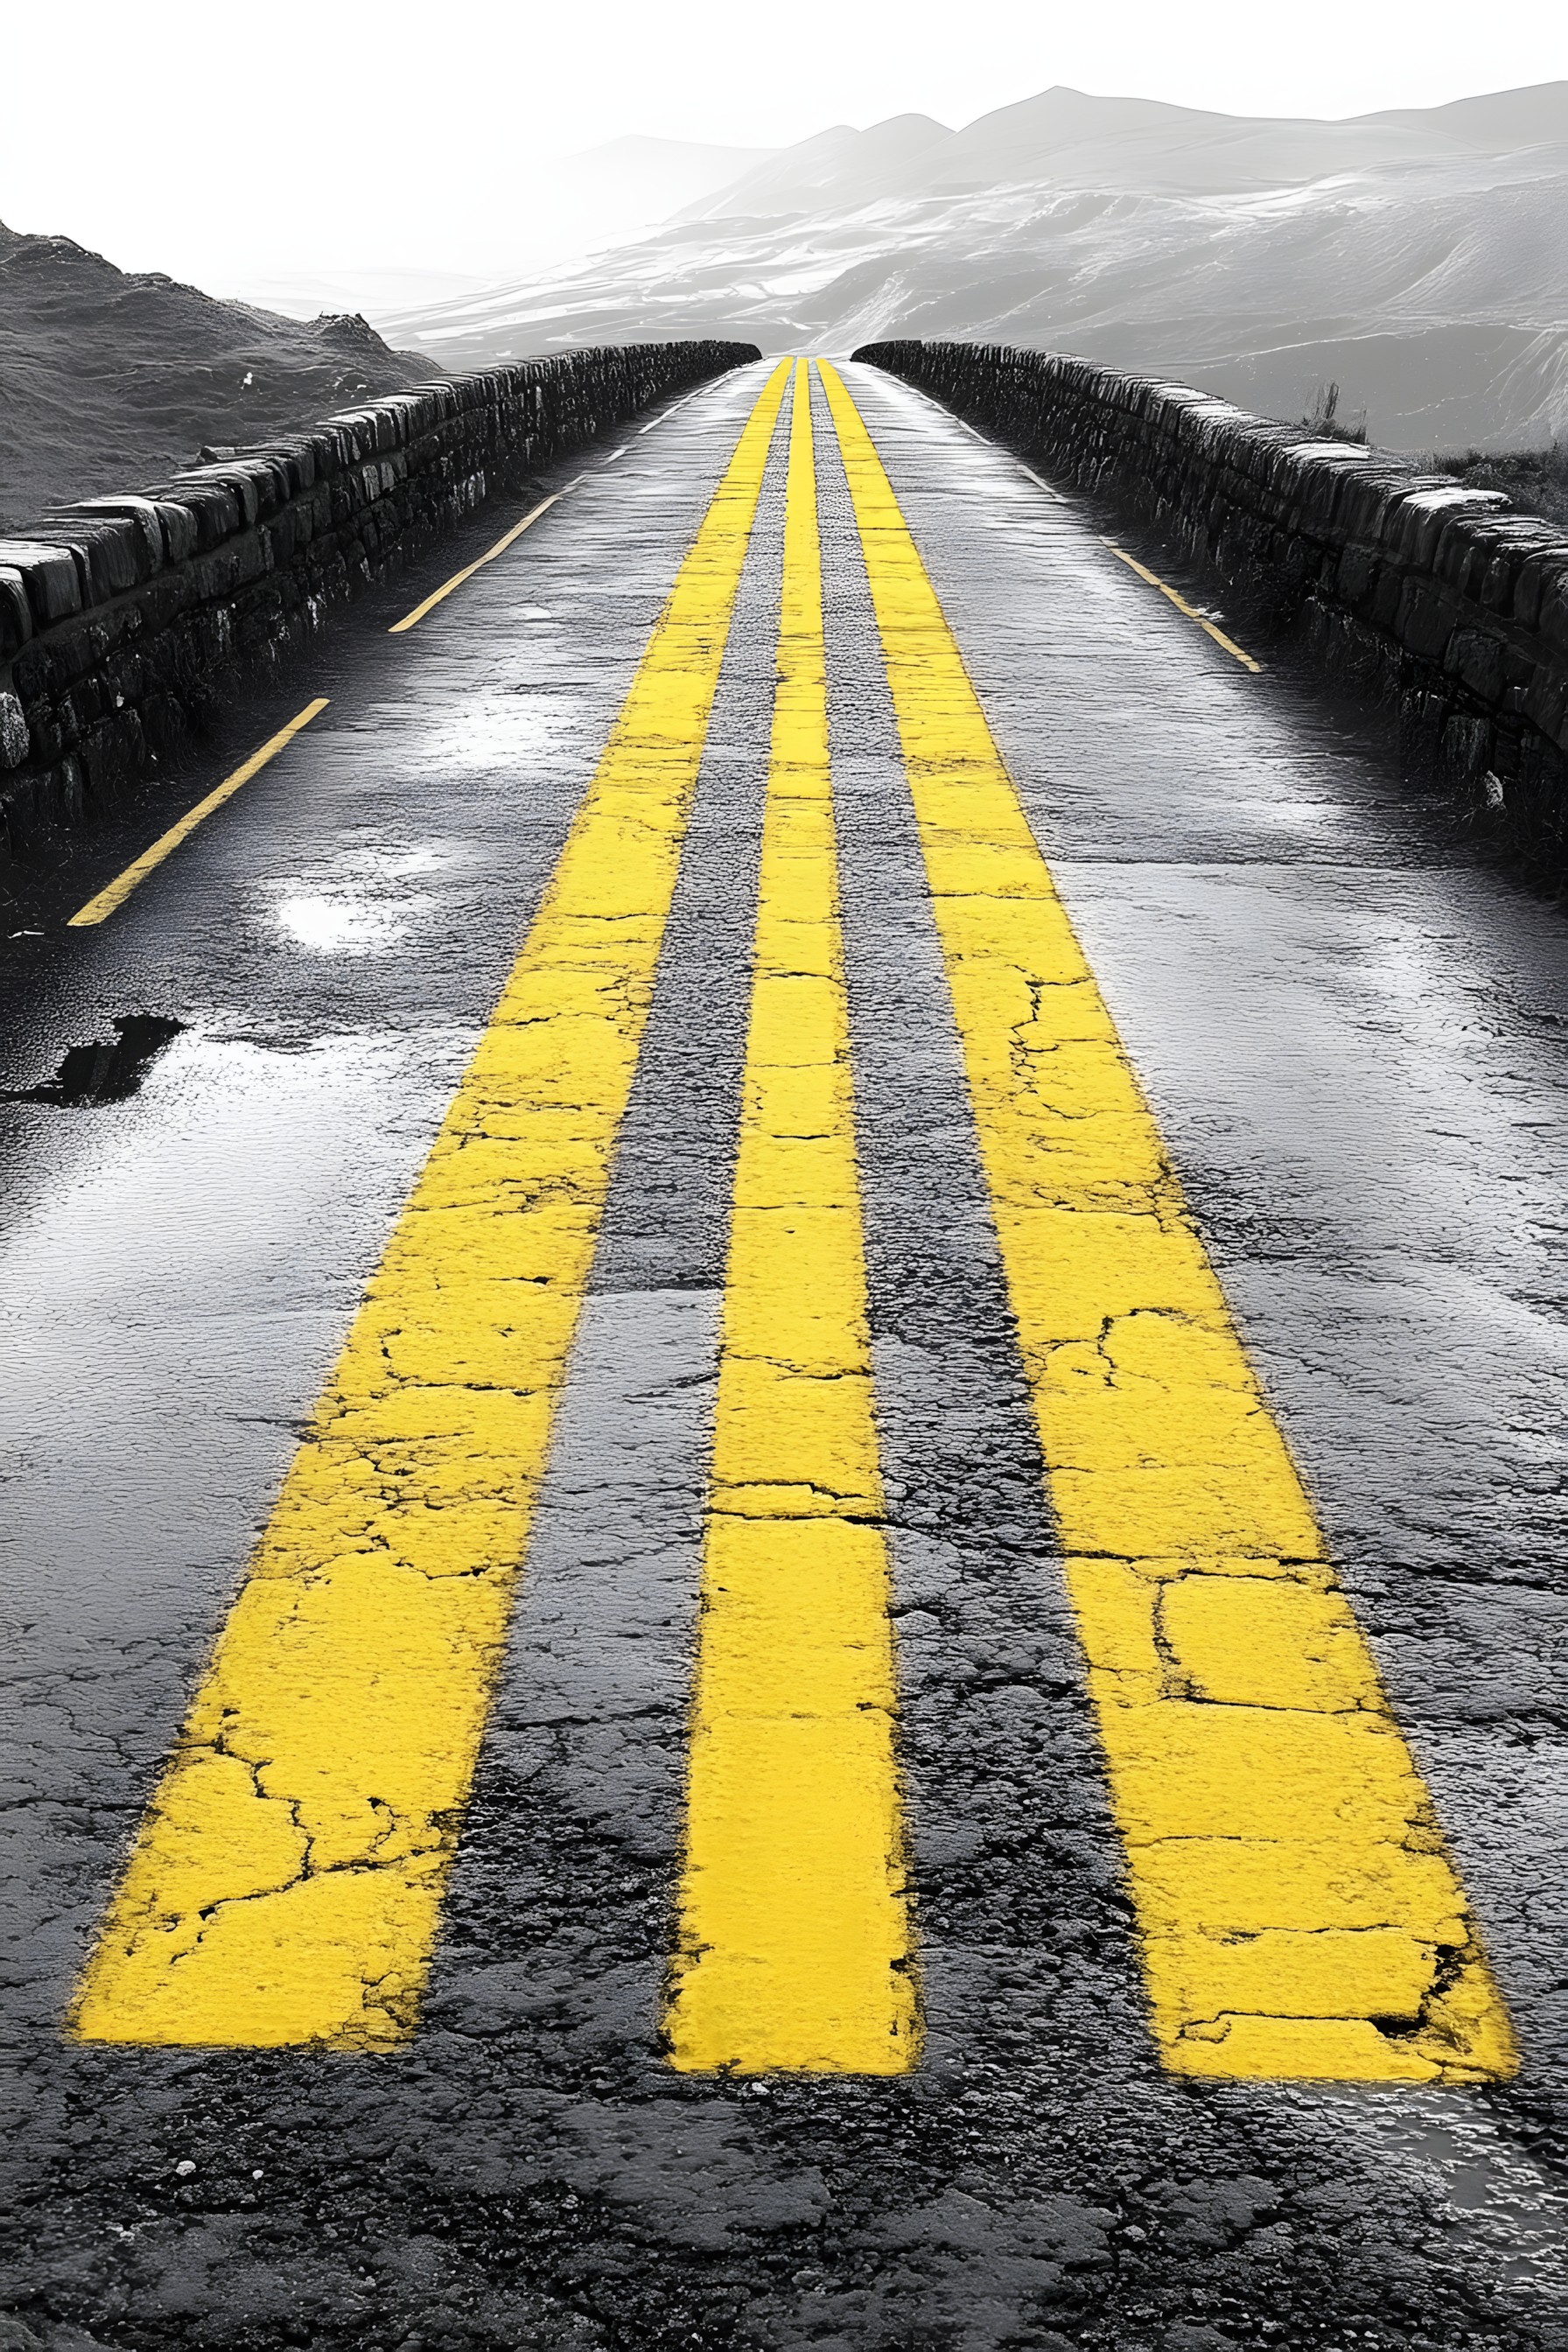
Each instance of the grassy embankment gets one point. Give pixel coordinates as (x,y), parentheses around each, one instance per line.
(1535,479)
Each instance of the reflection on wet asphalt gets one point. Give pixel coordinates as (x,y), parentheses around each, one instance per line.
(1351,1033)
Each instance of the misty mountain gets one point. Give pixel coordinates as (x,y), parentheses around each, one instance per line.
(838,167)
(543,213)
(639,182)
(1065,137)
(1418,257)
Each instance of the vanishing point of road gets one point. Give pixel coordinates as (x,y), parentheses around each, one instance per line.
(782,1473)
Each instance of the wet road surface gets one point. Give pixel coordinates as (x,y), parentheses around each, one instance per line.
(1017,1796)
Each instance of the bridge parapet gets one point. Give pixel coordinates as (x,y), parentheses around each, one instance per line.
(1443,601)
(124,621)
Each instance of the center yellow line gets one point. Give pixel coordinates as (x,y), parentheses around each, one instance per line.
(287,1882)
(796,1948)
(1299,1914)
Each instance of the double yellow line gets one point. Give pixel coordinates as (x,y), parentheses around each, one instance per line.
(1297,1913)
(287,1882)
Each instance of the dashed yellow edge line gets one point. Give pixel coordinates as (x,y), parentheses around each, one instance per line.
(114,894)
(1299,1914)
(673,410)
(479,561)
(1152,578)
(286,1880)
(1182,606)
(794,1948)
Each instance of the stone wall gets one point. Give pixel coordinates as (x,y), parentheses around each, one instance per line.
(1444,603)
(124,621)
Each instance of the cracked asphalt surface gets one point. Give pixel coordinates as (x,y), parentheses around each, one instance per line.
(1351,1029)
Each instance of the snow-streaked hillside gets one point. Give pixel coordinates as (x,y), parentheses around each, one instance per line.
(1418,258)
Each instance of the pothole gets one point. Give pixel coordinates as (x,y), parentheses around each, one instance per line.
(104,1072)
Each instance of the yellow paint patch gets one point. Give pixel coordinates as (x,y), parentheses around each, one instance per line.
(287,1882)
(1299,1914)
(796,1948)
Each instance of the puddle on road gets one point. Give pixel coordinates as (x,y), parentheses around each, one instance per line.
(363,906)
(104,1072)
(335,925)
(1496,2194)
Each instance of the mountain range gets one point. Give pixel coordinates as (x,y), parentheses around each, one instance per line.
(1417,258)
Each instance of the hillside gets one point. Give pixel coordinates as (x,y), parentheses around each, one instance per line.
(1416,258)
(107,380)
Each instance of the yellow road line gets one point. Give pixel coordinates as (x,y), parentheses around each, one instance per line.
(674,407)
(287,1882)
(1182,606)
(479,561)
(114,894)
(1299,1914)
(795,1947)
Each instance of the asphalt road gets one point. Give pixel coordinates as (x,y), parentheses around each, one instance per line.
(835,1545)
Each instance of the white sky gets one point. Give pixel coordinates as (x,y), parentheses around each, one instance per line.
(213,141)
